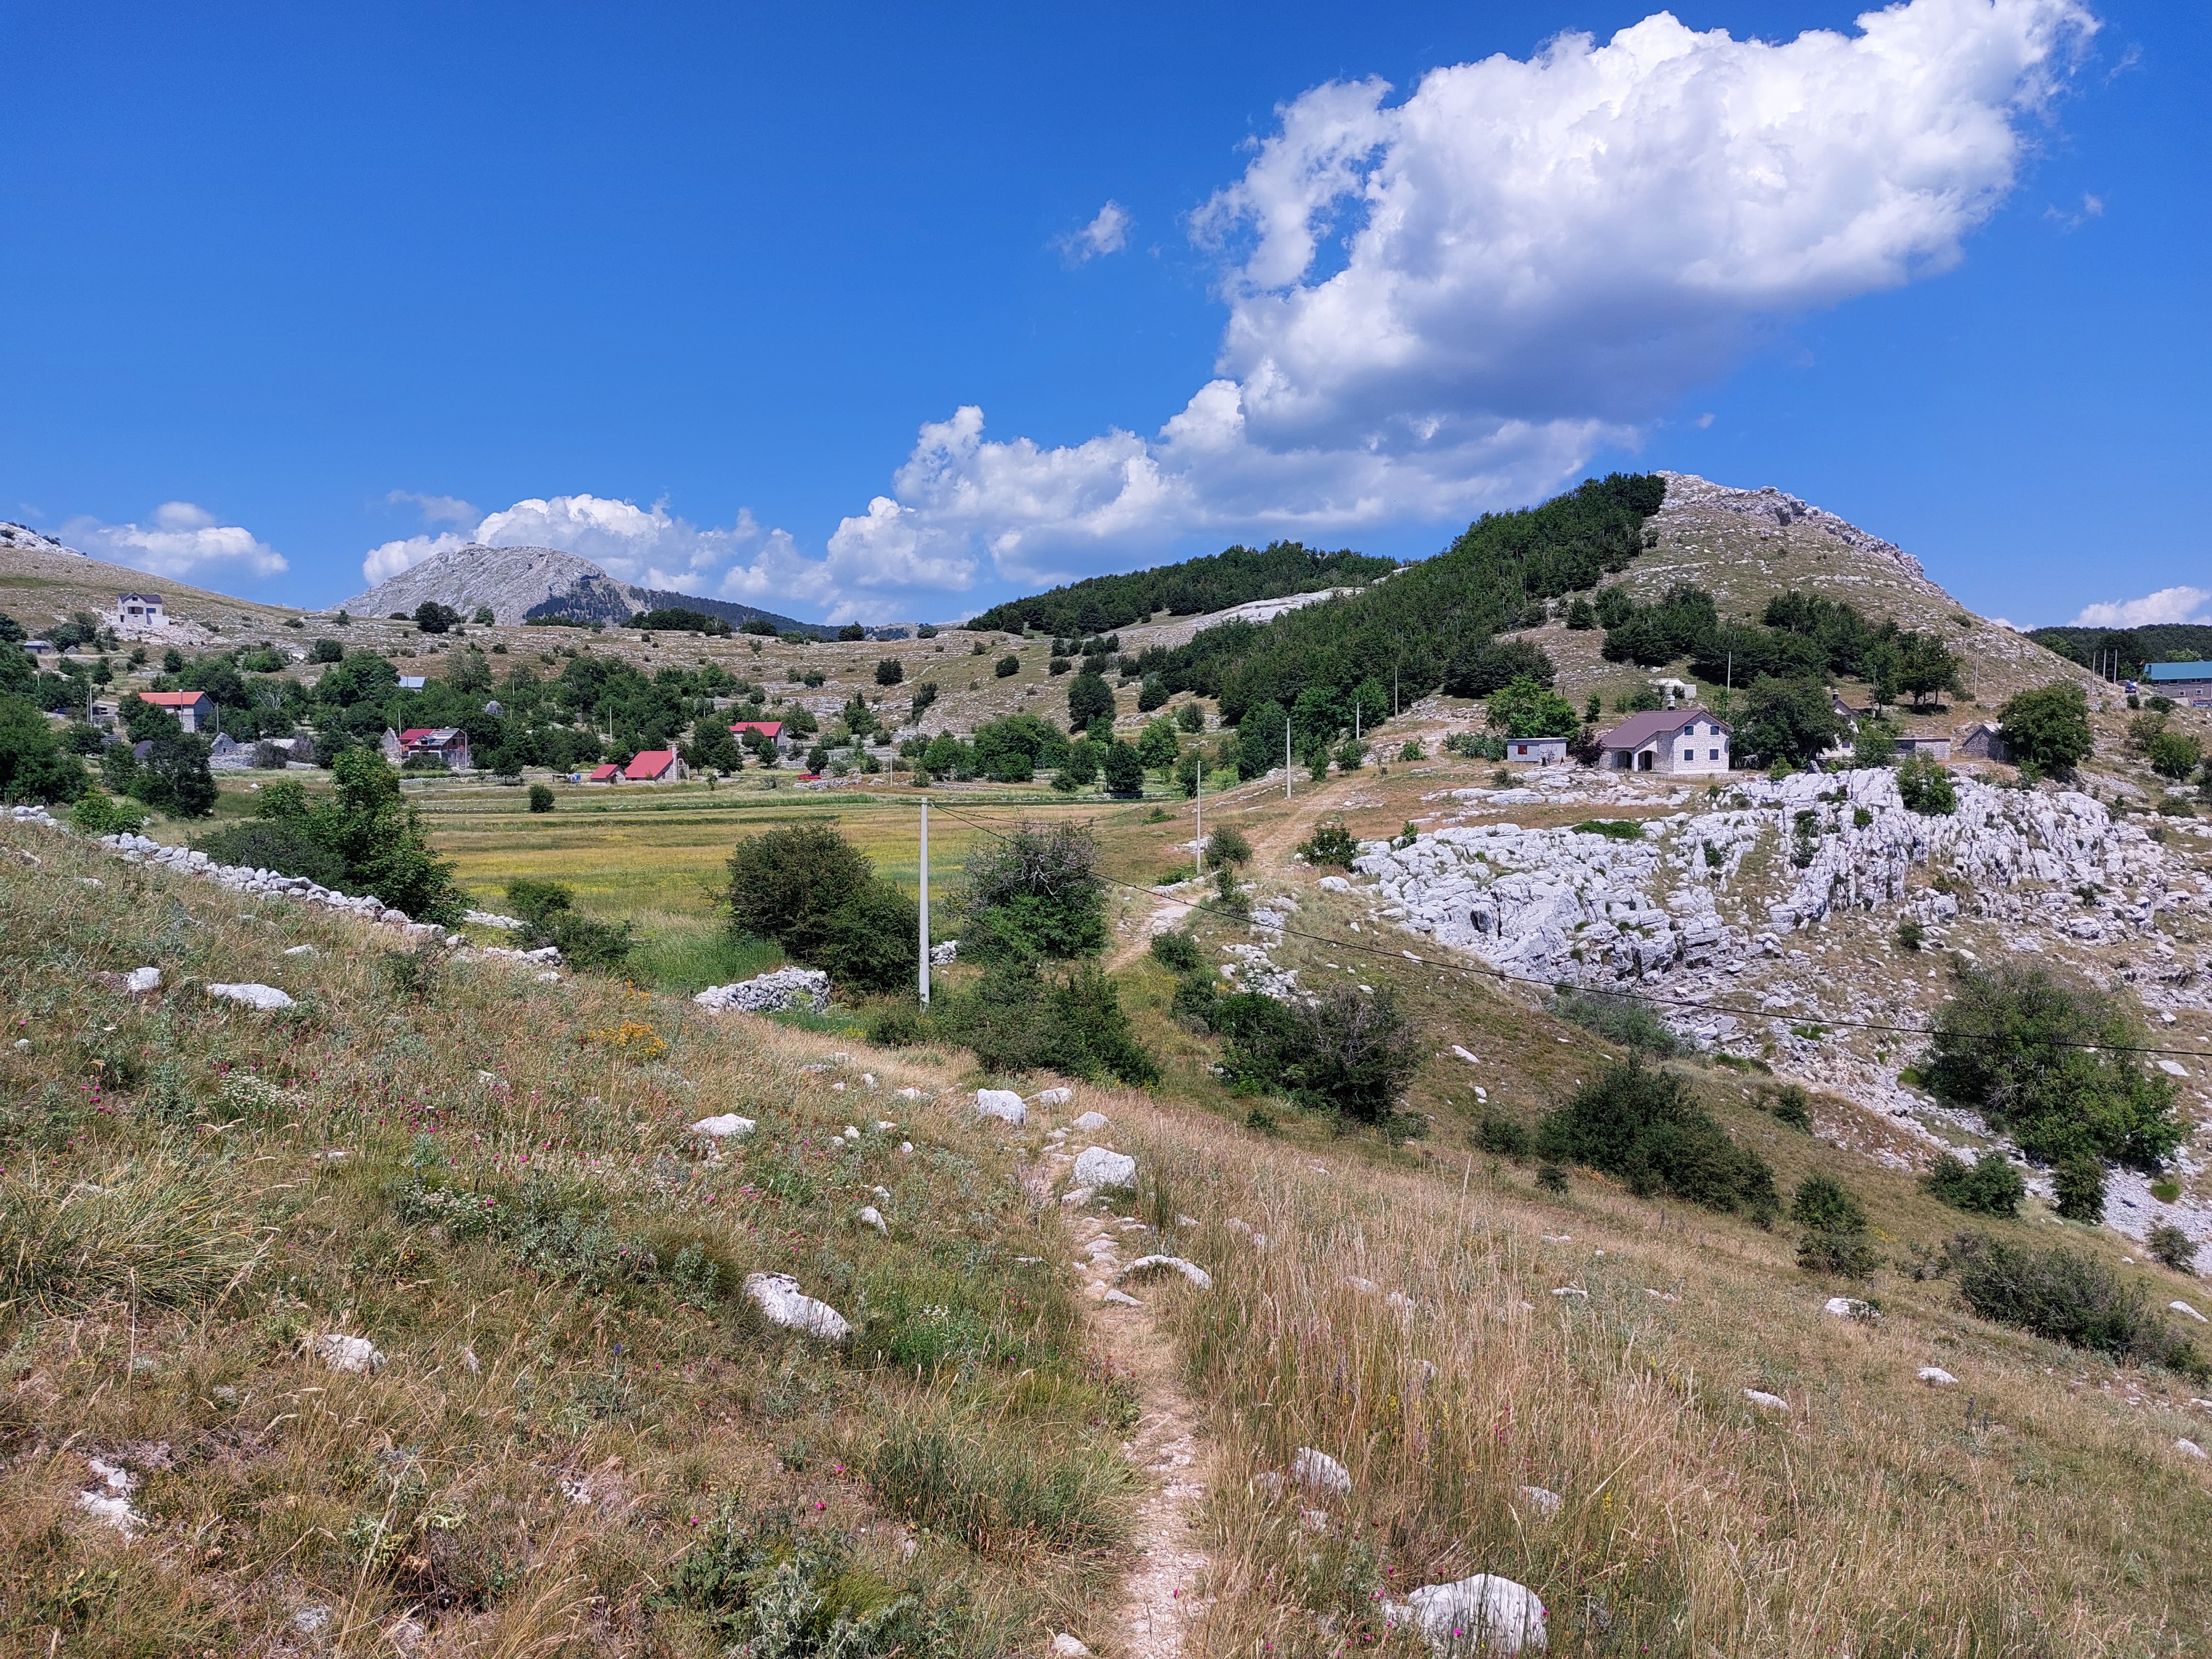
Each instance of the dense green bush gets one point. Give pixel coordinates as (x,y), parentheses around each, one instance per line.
(2067,1297)
(1228,845)
(1924,786)
(1176,950)
(1988,1186)
(290,846)
(2172,1247)
(1017,1017)
(548,911)
(541,798)
(1793,1106)
(1332,844)
(2050,1064)
(1622,1018)
(1034,890)
(1501,1134)
(1345,1052)
(2047,727)
(1645,1126)
(818,896)
(99,813)
(364,838)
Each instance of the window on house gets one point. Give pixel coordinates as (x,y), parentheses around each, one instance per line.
(1715,755)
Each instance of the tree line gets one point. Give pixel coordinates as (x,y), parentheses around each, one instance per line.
(1236,575)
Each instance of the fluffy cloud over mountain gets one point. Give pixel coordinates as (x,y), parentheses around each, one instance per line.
(183,542)
(2169,605)
(1450,302)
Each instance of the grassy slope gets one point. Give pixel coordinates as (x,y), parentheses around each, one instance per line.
(174,1304)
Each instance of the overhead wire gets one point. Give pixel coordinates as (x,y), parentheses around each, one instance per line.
(1487,970)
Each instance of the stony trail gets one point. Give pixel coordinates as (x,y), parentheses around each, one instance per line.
(1162,1597)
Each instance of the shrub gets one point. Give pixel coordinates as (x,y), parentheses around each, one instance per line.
(1644,1125)
(1925,786)
(1910,935)
(1006,666)
(890,671)
(2050,1063)
(1177,952)
(2172,1247)
(1793,1106)
(1228,845)
(1551,1178)
(1843,1251)
(2048,728)
(1345,1052)
(99,813)
(818,896)
(1623,1019)
(1017,1018)
(1615,828)
(2057,1294)
(326,650)
(548,913)
(541,798)
(1124,770)
(2077,1187)
(1332,844)
(1823,1205)
(1036,890)
(1502,1136)
(288,847)
(435,619)
(1989,1186)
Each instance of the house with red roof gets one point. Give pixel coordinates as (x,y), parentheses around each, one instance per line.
(195,710)
(656,766)
(768,732)
(607,772)
(448,744)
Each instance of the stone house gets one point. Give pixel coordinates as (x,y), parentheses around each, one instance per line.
(1537,751)
(1980,741)
(140,613)
(195,710)
(1685,742)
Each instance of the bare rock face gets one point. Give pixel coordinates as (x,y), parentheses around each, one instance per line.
(516,582)
(1687,494)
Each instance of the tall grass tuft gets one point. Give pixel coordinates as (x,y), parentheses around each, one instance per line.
(157,1234)
(1001,1489)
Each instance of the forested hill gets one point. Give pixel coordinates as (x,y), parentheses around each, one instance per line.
(1432,624)
(1236,576)
(2161,642)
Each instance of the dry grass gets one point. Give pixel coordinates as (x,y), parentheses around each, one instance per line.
(518,1217)
(1871,1519)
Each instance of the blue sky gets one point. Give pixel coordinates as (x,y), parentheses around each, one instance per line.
(702,294)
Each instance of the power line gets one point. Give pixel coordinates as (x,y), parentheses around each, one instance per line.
(1502,975)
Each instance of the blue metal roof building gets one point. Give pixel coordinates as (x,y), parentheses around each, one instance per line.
(2186,682)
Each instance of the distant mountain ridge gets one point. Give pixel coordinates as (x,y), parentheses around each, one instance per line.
(522,583)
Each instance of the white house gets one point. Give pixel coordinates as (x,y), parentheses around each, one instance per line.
(1682,741)
(1537,751)
(140,613)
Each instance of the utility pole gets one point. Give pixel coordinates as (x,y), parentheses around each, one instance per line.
(1199,863)
(1286,757)
(925,903)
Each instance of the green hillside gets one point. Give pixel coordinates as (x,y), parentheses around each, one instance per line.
(1237,575)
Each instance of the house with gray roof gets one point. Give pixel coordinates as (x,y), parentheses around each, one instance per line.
(1681,741)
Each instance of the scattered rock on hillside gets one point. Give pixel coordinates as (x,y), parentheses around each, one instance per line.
(2186,1311)
(142,980)
(356,1355)
(1484,1614)
(1316,1471)
(1092,1122)
(1095,1166)
(2190,1449)
(267,997)
(720,1129)
(1064,1646)
(1850,1307)
(1936,1378)
(109,1501)
(782,1303)
(871,1217)
(1002,1103)
(1764,1402)
(1151,1264)
(1545,1502)
(769,994)
(1058,1096)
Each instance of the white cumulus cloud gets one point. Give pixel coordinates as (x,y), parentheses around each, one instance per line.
(184,541)
(382,564)
(1449,303)
(1108,233)
(2169,605)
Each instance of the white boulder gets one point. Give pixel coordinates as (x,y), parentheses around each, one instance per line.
(2190,1449)
(1936,1378)
(1484,1614)
(1154,1264)
(1764,1402)
(1848,1307)
(143,979)
(722,1128)
(1058,1096)
(1095,1166)
(1316,1471)
(267,997)
(1545,1502)
(782,1303)
(872,1217)
(1092,1122)
(356,1355)
(2186,1311)
(1003,1104)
